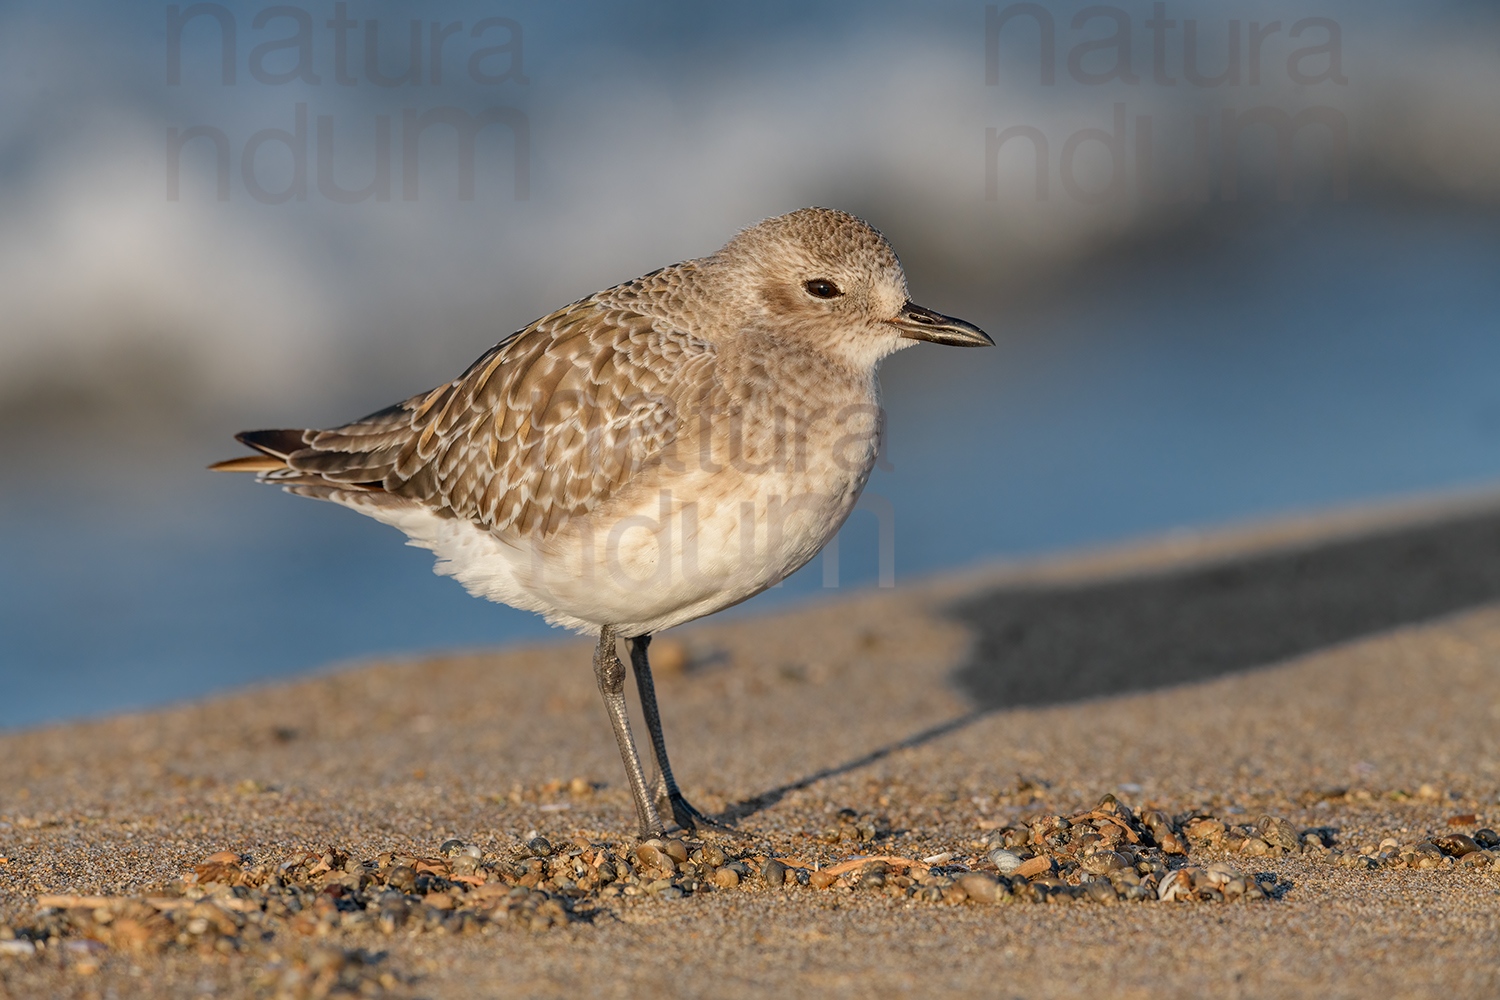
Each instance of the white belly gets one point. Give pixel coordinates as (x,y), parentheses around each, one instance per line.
(696,544)
(696,532)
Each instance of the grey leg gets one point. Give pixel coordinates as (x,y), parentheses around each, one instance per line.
(668,796)
(610,673)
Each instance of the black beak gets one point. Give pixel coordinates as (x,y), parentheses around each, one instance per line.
(917,323)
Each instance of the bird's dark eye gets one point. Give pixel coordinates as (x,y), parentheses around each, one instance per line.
(822,288)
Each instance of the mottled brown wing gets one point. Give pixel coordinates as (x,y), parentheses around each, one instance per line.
(543,427)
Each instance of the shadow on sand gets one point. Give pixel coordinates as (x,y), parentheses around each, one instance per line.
(1043,645)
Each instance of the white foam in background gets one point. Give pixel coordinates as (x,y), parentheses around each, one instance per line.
(92,271)
(109,290)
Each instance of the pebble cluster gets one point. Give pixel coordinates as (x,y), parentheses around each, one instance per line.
(1446,851)
(1109,854)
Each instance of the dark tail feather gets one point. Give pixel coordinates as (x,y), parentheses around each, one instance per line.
(273,464)
(278,444)
(274,448)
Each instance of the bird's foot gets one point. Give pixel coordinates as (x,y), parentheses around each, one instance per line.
(689,817)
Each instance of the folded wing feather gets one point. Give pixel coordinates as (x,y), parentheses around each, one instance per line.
(545,426)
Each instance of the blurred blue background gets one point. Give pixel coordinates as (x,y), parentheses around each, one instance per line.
(1195,325)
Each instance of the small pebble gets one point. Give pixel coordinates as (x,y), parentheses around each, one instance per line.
(1206,830)
(1100,891)
(1456,845)
(1220,872)
(1170,843)
(1103,862)
(1278,833)
(539,847)
(981,887)
(1006,861)
(1426,856)
(1177,885)
(1042,864)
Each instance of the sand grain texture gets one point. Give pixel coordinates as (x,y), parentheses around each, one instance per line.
(1341,671)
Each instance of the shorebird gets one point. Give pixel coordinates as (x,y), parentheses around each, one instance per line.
(648,455)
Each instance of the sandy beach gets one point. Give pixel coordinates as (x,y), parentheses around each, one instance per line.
(1338,675)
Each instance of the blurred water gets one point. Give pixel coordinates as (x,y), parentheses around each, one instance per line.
(1161,363)
(1313,359)
(652,135)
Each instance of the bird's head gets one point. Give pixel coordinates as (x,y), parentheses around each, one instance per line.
(826,275)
